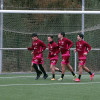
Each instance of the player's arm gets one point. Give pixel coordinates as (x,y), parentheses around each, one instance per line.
(58,45)
(88,48)
(43,46)
(48,53)
(70,43)
(32,53)
(57,49)
(48,56)
(31,48)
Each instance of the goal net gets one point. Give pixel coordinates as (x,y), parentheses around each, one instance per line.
(17,30)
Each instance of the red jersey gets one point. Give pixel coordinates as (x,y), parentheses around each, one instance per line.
(38,47)
(82,47)
(53,50)
(65,45)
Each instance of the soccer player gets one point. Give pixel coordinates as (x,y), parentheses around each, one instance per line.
(83,49)
(53,55)
(38,47)
(65,44)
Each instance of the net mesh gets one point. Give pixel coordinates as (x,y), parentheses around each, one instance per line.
(17,30)
(17,34)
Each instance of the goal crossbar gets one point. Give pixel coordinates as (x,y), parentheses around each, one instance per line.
(49,12)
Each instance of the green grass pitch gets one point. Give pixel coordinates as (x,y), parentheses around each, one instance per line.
(24,87)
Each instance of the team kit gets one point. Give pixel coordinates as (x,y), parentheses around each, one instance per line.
(63,47)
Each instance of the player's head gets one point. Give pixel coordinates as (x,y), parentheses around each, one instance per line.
(80,36)
(34,36)
(61,35)
(50,38)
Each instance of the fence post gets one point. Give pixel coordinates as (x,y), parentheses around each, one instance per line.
(1,36)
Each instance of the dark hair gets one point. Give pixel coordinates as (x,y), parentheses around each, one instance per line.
(81,35)
(34,35)
(51,36)
(63,33)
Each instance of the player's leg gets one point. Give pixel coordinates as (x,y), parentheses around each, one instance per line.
(53,63)
(69,66)
(34,64)
(71,70)
(87,70)
(44,72)
(37,71)
(63,64)
(32,67)
(80,73)
(63,71)
(52,67)
(36,68)
(81,64)
(40,62)
(57,69)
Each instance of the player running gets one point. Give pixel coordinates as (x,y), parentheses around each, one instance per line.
(65,44)
(83,49)
(53,55)
(38,47)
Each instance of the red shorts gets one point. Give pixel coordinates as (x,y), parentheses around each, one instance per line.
(37,60)
(53,61)
(82,62)
(65,60)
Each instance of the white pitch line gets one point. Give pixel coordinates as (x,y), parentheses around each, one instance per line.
(6,85)
(17,77)
(25,76)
